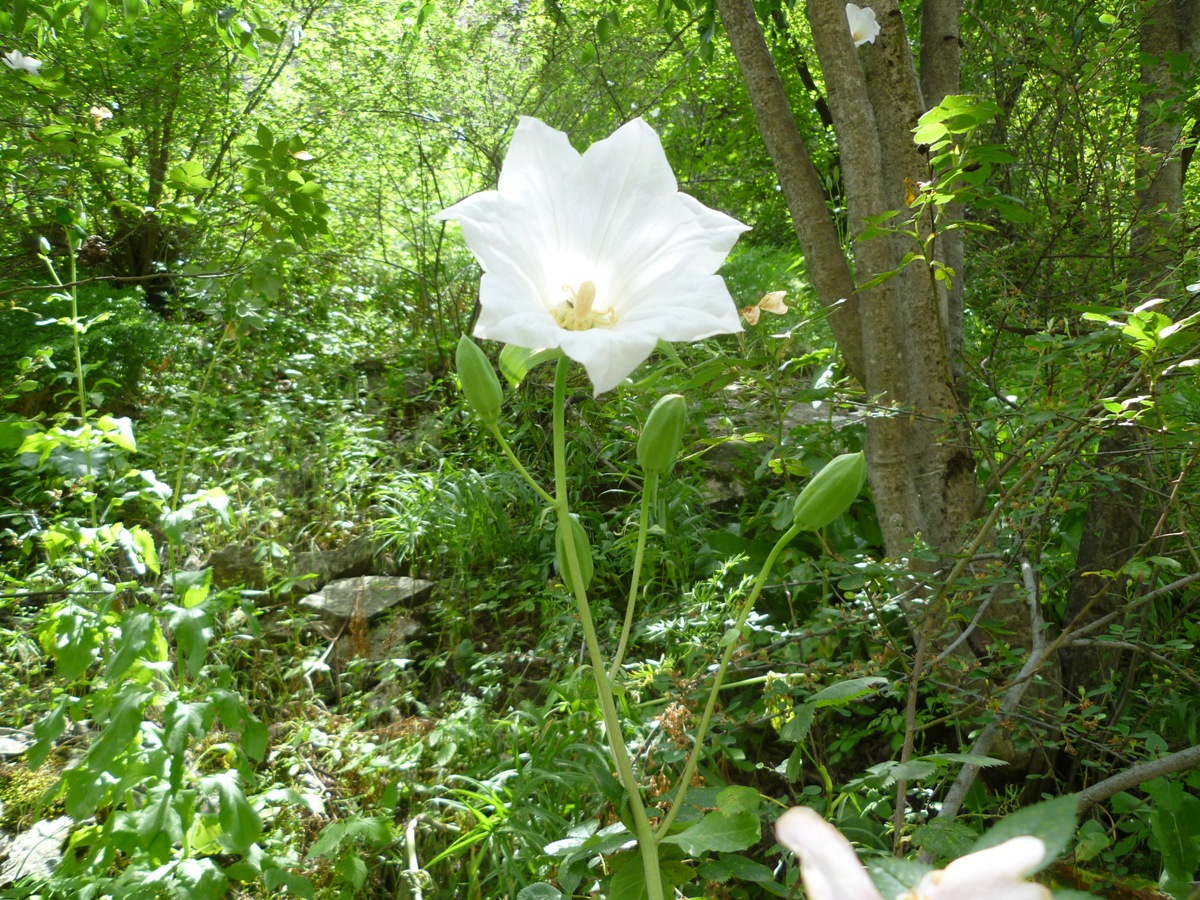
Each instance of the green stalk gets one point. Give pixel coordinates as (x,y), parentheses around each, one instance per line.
(608,708)
(512,458)
(731,639)
(649,490)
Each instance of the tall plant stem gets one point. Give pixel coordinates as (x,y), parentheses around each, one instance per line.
(730,641)
(608,707)
(649,490)
(226,334)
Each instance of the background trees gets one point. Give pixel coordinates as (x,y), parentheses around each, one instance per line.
(1001,308)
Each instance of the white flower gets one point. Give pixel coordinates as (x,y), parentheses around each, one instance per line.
(598,254)
(863,27)
(19,62)
(831,870)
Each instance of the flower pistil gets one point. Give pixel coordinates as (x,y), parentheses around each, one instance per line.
(578,313)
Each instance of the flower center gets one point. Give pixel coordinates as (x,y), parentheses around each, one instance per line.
(578,313)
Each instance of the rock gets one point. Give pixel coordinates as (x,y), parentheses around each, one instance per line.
(14,741)
(367,595)
(35,853)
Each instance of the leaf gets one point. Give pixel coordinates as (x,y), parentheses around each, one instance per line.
(967,759)
(201,879)
(737,798)
(137,626)
(1053,821)
(944,840)
(94,18)
(1176,828)
(844,692)
(193,630)
(895,877)
(718,832)
(240,824)
(517,362)
(254,738)
(539,891)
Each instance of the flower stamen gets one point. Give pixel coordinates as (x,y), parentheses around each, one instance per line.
(578,313)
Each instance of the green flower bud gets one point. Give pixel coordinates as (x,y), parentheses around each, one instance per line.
(658,447)
(830,492)
(583,550)
(480,385)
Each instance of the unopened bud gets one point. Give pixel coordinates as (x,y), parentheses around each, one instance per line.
(480,385)
(830,492)
(583,551)
(658,447)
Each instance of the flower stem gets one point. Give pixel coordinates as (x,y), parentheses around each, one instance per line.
(512,458)
(730,640)
(649,490)
(608,707)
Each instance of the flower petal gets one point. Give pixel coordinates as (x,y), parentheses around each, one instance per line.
(993,874)
(828,864)
(611,218)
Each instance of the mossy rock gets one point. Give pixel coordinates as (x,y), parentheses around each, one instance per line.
(23,795)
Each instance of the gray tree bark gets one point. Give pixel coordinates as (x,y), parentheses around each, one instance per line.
(897,337)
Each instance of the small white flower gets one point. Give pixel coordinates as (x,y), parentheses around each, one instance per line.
(831,870)
(19,62)
(598,254)
(863,26)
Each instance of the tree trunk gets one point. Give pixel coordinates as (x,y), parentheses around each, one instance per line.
(896,337)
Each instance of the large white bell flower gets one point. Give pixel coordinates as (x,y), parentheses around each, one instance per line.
(864,27)
(831,870)
(598,253)
(19,62)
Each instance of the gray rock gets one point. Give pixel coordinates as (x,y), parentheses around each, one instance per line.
(367,595)
(35,853)
(14,741)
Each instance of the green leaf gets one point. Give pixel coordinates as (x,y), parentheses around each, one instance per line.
(200,879)
(193,630)
(895,877)
(240,824)
(94,18)
(944,840)
(984,762)
(254,738)
(1053,821)
(718,832)
(737,798)
(517,362)
(137,626)
(844,692)
(1176,826)
(539,891)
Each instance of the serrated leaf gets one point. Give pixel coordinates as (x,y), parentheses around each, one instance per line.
(967,759)
(717,832)
(540,891)
(895,877)
(737,798)
(1053,821)
(944,840)
(844,692)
